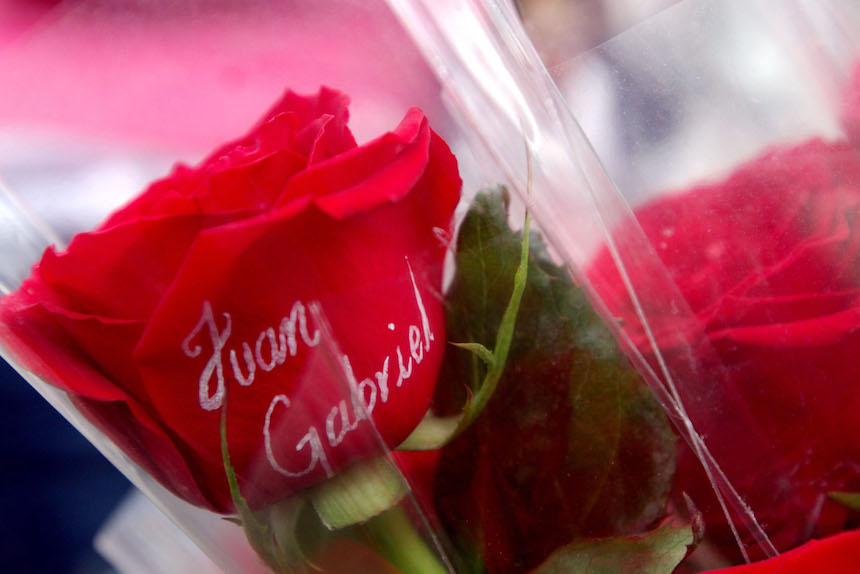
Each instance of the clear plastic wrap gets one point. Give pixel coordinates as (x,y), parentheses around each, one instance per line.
(417,319)
(729,128)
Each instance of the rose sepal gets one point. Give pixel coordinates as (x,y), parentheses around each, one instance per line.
(434,432)
(358,494)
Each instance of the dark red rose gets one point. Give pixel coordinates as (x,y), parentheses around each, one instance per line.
(768,261)
(196,296)
(837,554)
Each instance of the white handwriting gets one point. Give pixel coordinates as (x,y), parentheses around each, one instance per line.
(311,439)
(273,347)
(214,364)
(267,343)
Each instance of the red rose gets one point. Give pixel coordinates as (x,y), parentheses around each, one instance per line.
(838,554)
(195,297)
(769,262)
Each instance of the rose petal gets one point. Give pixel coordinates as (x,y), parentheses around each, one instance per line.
(826,330)
(174,186)
(840,553)
(304,111)
(383,170)
(251,171)
(330,140)
(142,255)
(736,311)
(51,354)
(157,454)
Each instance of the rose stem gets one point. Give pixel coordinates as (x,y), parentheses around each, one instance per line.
(395,537)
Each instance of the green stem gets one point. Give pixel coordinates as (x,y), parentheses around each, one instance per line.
(434,432)
(259,534)
(504,336)
(396,538)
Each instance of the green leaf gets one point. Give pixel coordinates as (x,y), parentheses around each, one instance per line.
(481,351)
(656,552)
(571,435)
(504,336)
(433,433)
(848,499)
(364,490)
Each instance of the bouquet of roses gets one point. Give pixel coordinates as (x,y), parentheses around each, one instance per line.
(297,335)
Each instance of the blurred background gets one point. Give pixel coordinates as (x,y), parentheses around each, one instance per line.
(56,489)
(100,97)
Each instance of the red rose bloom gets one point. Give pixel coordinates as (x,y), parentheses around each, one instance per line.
(838,554)
(196,297)
(768,262)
